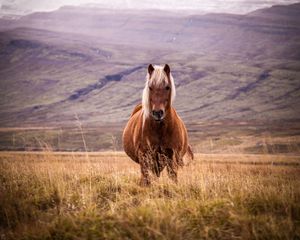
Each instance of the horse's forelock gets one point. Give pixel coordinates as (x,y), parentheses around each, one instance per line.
(158,78)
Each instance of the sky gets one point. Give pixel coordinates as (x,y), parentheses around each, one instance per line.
(228,6)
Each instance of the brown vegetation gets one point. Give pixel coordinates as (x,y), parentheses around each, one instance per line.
(96,196)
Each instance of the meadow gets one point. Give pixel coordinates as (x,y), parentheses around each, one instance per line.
(69,81)
(48,195)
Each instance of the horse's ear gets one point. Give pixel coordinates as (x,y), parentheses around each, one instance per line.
(150,69)
(167,69)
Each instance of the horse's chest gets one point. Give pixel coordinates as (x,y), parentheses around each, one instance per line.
(158,140)
(155,141)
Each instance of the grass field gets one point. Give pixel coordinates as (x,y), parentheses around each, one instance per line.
(47,195)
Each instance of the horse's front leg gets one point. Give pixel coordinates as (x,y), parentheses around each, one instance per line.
(145,167)
(172,166)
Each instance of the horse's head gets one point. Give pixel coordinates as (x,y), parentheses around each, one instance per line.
(159,92)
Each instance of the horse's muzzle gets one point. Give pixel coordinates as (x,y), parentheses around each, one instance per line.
(158,115)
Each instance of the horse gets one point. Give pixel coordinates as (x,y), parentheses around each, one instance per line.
(155,136)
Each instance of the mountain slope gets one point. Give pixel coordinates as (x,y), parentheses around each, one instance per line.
(92,62)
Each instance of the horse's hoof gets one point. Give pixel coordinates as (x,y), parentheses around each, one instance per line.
(175,180)
(145,183)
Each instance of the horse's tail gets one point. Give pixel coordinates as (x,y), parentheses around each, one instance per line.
(190,152)
(189,156)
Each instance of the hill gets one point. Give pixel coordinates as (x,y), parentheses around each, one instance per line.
(90,64)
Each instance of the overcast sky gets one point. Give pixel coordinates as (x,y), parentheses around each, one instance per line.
(229,6)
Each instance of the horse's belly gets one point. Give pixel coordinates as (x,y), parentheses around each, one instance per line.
(130,141)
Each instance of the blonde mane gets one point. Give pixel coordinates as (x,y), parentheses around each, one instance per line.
(157,78)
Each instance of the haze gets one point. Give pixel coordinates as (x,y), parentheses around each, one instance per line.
(21,7)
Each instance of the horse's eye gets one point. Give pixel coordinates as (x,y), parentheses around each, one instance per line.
(150,88)
(167,88)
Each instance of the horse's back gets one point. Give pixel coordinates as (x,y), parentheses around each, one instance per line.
(136,109)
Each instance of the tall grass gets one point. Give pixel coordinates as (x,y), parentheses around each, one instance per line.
(49,196)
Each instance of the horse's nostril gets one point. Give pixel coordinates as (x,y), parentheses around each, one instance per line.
(158,114)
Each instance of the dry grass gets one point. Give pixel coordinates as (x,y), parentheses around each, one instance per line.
(67,196)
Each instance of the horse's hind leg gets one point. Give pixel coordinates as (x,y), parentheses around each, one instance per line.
(172,174)
(172,169)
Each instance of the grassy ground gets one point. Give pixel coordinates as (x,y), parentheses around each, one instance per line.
(97,196)
(205,137)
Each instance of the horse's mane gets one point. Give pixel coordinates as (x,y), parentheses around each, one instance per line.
(157,78)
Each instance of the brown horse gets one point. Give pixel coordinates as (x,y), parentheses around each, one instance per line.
(155,136)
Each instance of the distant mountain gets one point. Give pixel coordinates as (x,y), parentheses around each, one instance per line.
(92,63)
(289,13)
(17,7)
